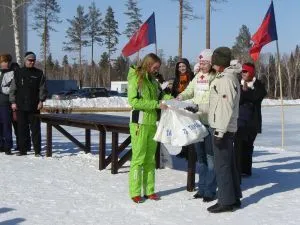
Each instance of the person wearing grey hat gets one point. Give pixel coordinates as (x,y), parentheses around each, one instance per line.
(222,117)
(27,94)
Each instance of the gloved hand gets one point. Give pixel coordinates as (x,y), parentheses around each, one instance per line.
(192,109)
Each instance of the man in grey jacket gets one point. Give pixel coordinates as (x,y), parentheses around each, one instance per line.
(223,114)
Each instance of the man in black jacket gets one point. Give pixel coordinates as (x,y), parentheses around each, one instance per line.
(249,122)
(27,94)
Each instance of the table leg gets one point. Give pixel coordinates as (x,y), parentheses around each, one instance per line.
(49,140)
(102,150)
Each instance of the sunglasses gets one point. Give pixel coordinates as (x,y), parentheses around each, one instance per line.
(31,60)
(244,71)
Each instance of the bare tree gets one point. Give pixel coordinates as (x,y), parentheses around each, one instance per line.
(15,6)
(185,13)
(45,14)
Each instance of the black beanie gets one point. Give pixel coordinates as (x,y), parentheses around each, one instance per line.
(29,55)
(221,57)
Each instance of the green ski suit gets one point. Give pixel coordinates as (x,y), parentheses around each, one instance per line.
(144,101)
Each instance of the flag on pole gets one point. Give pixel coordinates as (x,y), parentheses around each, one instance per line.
(265,34)
(144,36)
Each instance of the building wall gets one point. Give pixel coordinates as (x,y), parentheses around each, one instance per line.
(7,44)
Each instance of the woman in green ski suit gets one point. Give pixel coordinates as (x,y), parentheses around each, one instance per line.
(144,96)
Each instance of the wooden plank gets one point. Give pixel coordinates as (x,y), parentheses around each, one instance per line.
(70,137)
(49,140)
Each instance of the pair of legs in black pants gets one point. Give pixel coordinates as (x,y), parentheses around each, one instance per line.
(28,122)
(243,145)
(229,191)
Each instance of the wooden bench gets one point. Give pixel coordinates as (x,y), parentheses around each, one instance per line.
(103,124)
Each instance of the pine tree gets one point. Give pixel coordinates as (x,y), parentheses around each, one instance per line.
(121,67)
(65,60)
(77,34)
(45,14)
(110,31)
(133,12)
(104,67)
(95,27)
(242,45)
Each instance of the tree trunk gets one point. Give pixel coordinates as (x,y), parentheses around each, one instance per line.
(80,68)
(180,28)
(16,31)
(208,24)
(45,46)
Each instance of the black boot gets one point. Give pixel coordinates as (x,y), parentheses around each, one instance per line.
(198,195)
(2,149)
(220,208)
(7,151)
(21,153)
(208,199)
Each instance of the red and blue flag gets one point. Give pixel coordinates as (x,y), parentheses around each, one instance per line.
(265,34)
(144,36)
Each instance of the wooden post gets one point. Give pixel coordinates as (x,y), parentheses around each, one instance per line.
(157,155)
(49,140)
(88,140)
(191,168)
(114,152)
(102,150)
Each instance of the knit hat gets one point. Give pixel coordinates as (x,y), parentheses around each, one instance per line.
(205,55)
(250,68)
(30,55)
(5,58)
(221,57)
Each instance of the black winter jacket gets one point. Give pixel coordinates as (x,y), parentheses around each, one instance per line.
(28,88)
(250,107)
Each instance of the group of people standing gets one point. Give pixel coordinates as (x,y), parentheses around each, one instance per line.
(228,96)
(22,94)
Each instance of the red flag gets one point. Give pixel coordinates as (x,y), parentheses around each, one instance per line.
(265,34)
(145,35)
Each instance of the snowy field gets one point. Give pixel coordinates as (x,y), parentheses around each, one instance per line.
(68,189)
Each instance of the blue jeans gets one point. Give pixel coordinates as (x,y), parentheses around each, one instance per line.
(207,184)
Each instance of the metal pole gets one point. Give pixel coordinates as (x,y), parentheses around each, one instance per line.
(281,99)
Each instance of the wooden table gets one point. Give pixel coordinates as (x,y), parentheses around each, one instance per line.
(103,124)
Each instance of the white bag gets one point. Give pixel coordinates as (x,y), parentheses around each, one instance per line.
(179,128)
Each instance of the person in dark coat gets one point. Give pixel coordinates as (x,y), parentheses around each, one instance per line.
(249,121)
(183,76)
(14,66)
(27,94)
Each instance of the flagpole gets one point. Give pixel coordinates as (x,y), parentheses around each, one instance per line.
(281,99)
(155,34)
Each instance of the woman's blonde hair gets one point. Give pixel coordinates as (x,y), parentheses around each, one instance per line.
(145,66)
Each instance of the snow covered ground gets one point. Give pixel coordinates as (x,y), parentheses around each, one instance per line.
(68,189)
(122,102)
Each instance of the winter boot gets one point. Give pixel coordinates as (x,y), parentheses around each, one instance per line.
(7,151)
(154,197)
(138,199)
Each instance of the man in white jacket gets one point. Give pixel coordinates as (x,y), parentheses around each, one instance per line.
(222,117)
